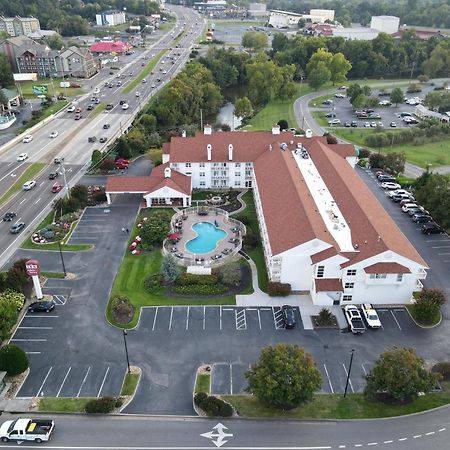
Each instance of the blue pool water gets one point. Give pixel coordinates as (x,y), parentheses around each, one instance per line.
(207,238)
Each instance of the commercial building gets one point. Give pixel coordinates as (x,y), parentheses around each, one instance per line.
(326,14)
(257,10)
(286,19)
(19,26)
(77,62)
(110,47)
(385,24)
(322,230)
(356,33)
(110,18)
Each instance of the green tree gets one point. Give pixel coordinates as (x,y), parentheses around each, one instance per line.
(155,229)
(396,96)
(284,377)
(359,101)
(243,107)
(396,162)
(439,101)
(283,123)
(8,317)
(339,67)
(55,42)
(123,148)
(255,41)
(6,77)
(17,298)
(231,273)
(13,360)
(400,374)
(427,305)
(438,62)
(148,121)
(80,192)
(3,98)
(319,75)
(96,157)
(170,270)
(17,277)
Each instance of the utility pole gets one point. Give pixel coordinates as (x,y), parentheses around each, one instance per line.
(349,370)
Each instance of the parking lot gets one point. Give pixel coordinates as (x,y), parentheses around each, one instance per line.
(90,227)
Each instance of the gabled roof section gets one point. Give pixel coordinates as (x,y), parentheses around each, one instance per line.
(328,284)
(323,255)
(386,267)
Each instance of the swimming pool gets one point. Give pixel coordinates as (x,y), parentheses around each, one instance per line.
(207,238)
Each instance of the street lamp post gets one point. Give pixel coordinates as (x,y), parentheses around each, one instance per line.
(126,348)
(62,259)
(352,351)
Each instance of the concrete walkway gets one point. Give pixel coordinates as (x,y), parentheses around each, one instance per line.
(241,201)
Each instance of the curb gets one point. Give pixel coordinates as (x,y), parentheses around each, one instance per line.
(130,397)
(426,327)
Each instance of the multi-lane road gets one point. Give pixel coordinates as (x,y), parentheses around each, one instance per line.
(72,140)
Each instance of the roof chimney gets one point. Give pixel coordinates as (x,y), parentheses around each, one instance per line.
(230,152)
(207,129)
(308,133)
(183,133)
(276,129)
(209,151)
(167,172)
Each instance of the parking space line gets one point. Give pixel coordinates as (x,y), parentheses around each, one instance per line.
(45,379)
(277,319)
(170,320)
(241,321)
(220,317)
(349,380)
(204,316)
(259,319)
(395,318)
(264,309)
(187,318)
(34,316)
(35,328)
(231,379)
(65,378)
(154,319)
(103,382)
(84,379)
(28,340)
(364,369)
(33,353)
(328,376)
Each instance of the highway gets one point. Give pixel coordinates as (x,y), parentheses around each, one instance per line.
(72,140)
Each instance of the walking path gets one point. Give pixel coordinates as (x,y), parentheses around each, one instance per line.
(241,201)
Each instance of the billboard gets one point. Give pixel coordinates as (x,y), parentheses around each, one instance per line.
(42,90)
(25,76)
(32,267)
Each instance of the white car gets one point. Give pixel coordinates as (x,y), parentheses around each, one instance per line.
(27,138)
(390,185)
(407,206)
(398,192)
(29,185)
(96,91)
(138,94)
(22,157)
(71,108)
(370,315)
(125,106)
(339,95)
(54,134)
(144,80)
(367,124)
(334,122)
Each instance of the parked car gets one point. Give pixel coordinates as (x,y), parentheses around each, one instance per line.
(27,138)
(288,314)
(327,102)
(408,199)
(398,192)
(54,134)
(407,206)
(330,115)
(393,125)
(53,175)
(418,210)
(42,306)
(17,228)
(421,218)
(339,95)
(390,185)
(334,122)
(9,216)
(22,157)
(347,125)
(370,315)
(431,228)
(29,185)
(367,124)
(57,187)
(354,319)
(354,123)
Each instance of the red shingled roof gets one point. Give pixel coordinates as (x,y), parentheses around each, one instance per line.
(110,46)
(323,255)
(328,284)
(386,267)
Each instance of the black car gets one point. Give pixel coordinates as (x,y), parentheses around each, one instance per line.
(103,140)
(288,316)
(43,305)
(431,228)
(92,139)
(330,115)
(354,123)
(9,216)
(53,175)
(122,102)
(109,106)
(106,126)
(386,178)
(421,218)
(90,107)
(17,228)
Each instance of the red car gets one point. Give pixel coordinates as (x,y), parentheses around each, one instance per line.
(122,163)
(56,188)
(77,110)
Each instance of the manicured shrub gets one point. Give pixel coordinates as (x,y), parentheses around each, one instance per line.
(122,309)
(250,240)
(101,405)
(189,279)
(243,218)
(364,153)
(13,360)
(213,406)
(276,289)
(325,318)
(119,402)
(362,162)
(442,368)
(153,282)
(201,289)
(200,399)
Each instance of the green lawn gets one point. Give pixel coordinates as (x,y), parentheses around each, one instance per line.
(317,101)
(53,274)
(63,404)
(276,110)
(29,174)
(53,88)
(257,253)
(129,384)
(432,323)
(320,118)
(96,111)
(335,406)
(203,383)
(434,153)
(144,72)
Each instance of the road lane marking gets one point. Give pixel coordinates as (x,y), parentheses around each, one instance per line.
(23,201)
(170,320)
(259,319)
(417,436)
(84,379)
(33,353)
(441,429)
(36,328)
(154,319)
(402,439)
(388,442)
(204,316)
(45,379)
(372,443)
(220,325)
(231,379)
(65,378)
(328,377)
(429,433)
(29,340)
(37,201)
(395,318)
(187,318)
(103,382)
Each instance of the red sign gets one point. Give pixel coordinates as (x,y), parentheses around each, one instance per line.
(33,268)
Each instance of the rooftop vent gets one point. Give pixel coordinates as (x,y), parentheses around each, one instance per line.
(283,146)
(207,129)
(183,133)
(230,152)
(308,133)
(276,129)
(209,152)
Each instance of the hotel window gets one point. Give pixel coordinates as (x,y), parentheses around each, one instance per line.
(224,173)
(399,277)
(346,298)
(202,183)
(248,173)
(248,164)
(237,183)
(320,271)
(351,272)
(202,174)
(237,165)
(378,276)
(174,166)
(215,173)
(188,164)
(237,174)
(349,285)
(202,164)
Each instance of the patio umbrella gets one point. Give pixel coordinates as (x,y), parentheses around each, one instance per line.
(173,236)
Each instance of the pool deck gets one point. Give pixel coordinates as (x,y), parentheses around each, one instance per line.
(187,234)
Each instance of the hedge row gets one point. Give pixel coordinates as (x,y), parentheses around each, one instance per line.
(189,279)
(213,406)
(102,405)
(201,289)
(276,289)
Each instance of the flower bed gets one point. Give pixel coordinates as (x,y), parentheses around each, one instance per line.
(57,230)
